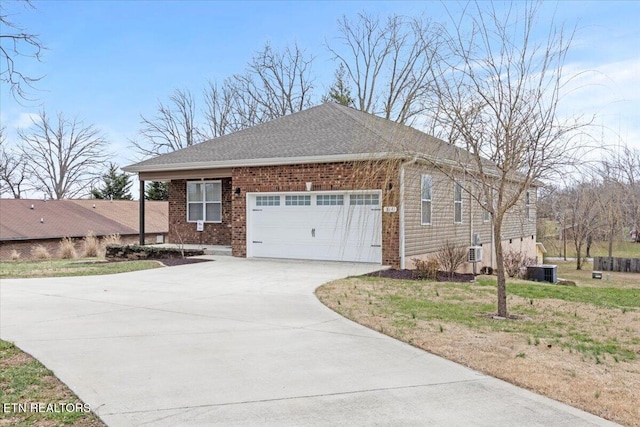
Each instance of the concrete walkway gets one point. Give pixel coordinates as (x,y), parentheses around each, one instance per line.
(239,342)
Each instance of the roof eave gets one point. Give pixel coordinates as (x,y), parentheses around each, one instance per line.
(275,161)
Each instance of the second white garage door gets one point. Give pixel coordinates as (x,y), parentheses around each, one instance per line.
(332,226)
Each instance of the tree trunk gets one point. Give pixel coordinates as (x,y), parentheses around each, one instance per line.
(611,233)
(502,282)
(578,257)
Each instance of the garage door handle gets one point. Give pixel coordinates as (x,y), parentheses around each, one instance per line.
(313,232)
(376,246)
(256,241)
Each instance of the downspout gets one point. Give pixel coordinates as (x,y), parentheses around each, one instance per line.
(471,227)
(402,221)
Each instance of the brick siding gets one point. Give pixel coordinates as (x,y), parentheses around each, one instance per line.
(325,177)
(181,231)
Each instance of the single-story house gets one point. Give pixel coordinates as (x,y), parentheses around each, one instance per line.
(25,223)
(331,183)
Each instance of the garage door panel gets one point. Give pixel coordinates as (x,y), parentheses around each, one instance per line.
(318,232)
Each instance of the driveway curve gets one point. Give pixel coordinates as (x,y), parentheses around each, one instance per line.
(239,342)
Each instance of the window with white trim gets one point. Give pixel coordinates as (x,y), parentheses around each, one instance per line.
(527,205)
(425,199)
(297,200)
(330,200)
(204,201)
(364,199)
(486,215)
(267,200)
(457,203)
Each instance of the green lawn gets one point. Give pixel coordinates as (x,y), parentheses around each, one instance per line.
(621,249)
(69,267)
(577,344)
(25,381)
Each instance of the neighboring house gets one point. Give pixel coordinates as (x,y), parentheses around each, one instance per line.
(330,183)
(27,223)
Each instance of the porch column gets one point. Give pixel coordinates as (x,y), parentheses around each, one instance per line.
(141,213)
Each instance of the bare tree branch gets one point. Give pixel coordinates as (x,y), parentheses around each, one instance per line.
(64,157)
(390,64)
(14,176)
(275,84)
(172,128)
(16,42)
(499,92)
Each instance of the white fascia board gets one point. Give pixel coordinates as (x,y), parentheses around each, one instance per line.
(275,161)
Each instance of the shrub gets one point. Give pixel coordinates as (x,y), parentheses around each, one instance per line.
(111,239)
(67,249)
(40,252)
(515,263)
(425,268)
(90,245)
(14,255)
(451,256)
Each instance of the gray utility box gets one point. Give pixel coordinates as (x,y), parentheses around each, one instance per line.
(543,273)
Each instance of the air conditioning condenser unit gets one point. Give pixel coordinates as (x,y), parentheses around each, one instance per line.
(475,254)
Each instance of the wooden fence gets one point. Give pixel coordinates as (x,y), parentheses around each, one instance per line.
(625,265)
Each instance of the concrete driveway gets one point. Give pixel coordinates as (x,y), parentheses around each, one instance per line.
(245,342)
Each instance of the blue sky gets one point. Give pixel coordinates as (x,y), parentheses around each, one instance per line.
(107,62)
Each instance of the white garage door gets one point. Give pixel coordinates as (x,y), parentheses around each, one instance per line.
(319,226)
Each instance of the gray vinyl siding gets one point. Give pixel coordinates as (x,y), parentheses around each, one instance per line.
(516,225)
(422,239)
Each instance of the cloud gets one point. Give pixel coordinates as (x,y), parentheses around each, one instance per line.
(609,92)
(24,120)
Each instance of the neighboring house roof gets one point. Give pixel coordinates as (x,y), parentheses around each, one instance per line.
(325,133)
(76,218)
(127,213)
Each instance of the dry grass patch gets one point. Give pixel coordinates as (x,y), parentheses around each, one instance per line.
(577,345)
(40,252)
(90,245)
(66,249)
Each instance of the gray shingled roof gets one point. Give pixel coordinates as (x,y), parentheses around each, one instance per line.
(326,131)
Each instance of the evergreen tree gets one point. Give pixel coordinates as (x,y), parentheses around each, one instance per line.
(115,186)
(157,191)
(340,92)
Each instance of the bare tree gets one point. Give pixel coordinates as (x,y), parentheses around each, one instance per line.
(619,197)
(14,175)
(580,202)
(621,170)
(275,84)
(63,156)
(16,42)
(390,63)
(172,128)
(228,109)
(630,171)
(499,92)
